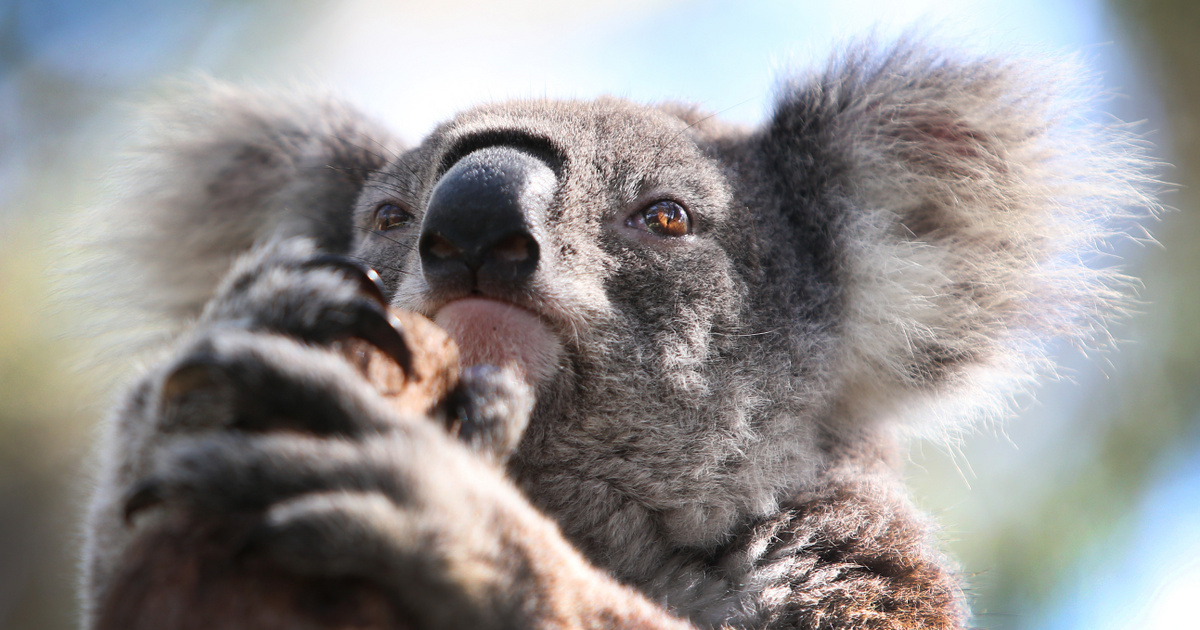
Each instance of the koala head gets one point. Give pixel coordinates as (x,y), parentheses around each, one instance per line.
(612,254)
(710,315)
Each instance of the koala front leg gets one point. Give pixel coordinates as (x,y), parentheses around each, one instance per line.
(258,432)
(449,541)
(285,288)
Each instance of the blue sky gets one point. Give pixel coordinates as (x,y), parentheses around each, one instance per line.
(414,64)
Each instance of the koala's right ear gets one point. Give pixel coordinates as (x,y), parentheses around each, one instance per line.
(963,201)
(216,168)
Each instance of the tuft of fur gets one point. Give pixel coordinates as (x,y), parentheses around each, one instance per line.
(984,194)
(213,170)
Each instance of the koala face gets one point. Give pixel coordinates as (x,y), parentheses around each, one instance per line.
(615,261)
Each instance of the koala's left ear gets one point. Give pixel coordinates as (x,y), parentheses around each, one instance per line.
(973,196)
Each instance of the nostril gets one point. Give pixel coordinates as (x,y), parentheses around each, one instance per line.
(439,247)
(513,249)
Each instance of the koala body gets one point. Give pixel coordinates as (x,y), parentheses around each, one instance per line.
(727,333)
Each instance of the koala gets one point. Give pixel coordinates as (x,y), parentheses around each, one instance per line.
(706,343)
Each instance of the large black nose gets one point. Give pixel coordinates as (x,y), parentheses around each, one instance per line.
(478,233)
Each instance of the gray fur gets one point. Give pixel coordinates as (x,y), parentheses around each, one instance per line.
(213,169)
(891,252)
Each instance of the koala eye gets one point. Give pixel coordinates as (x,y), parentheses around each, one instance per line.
(390,215)
(663,218)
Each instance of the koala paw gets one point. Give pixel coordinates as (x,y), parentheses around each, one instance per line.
(340,498)
(271,428)
(289,288)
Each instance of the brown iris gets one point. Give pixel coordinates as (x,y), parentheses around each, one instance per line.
(390,215)
(667,218)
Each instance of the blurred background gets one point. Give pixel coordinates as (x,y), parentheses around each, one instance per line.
(1083,512)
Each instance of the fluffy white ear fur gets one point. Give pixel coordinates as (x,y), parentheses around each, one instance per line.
(214,169)
(985,193)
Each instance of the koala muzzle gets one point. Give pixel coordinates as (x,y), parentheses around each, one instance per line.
(479,231)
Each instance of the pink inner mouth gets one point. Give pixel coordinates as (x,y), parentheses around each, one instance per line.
(500,334)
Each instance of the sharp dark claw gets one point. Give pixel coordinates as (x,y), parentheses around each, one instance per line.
(199,372)
(144,495)
(367,278)
(372,322)
(381,329)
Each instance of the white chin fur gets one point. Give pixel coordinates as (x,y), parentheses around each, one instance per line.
(489,332)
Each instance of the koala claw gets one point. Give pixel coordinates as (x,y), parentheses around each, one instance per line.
(235,471)
(200,372)
(290,289)
(373,324)
(237,379)
(333,534)
(365,320)
(144,495)
(328,508)
(367,278)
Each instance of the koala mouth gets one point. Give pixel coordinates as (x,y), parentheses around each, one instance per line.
(501,334)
